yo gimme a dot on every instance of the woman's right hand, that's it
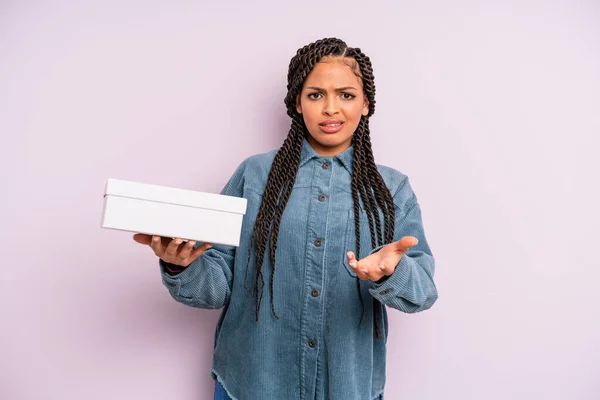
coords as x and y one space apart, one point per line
173 251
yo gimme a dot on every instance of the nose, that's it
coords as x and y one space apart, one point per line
330 107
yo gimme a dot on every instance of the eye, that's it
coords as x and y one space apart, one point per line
314 96
348 96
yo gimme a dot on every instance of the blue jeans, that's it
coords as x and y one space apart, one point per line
221 394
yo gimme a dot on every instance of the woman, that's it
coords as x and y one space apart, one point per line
316 206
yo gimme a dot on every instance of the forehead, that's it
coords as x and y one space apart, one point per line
334 72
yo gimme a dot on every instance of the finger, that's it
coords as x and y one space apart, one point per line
142 238
172 247
199 251
157 246
406 243
186 249
351 257
361 271
361 275
354 264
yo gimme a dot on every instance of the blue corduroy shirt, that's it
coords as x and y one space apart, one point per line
320 347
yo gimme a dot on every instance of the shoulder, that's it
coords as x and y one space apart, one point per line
399 185
257 166
252 173
260 162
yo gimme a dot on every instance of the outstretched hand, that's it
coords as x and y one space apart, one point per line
382 263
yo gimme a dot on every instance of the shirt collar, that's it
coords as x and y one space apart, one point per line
308 153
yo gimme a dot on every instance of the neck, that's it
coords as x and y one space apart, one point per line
328 151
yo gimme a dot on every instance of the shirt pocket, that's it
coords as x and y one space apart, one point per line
350 239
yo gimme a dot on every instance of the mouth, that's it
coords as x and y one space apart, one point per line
331 126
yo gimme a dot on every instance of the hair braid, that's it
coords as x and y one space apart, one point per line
367 189
292 160
357 187
382 193
266 212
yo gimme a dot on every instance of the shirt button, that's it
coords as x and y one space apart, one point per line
322 197
311 344
318 242
326 165
315 293
384 291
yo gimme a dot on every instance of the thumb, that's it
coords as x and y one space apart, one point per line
406 243
142 238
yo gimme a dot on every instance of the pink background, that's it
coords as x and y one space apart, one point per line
492 110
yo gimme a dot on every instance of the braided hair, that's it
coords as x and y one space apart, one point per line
366 179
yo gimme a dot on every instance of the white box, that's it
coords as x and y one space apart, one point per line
171 212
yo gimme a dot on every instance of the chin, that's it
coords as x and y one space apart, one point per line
332 139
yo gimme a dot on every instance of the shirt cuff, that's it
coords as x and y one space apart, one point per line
170 269
392 285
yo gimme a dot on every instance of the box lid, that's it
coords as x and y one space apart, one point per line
170 195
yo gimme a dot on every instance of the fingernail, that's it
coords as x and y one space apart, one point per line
177 241
349 254
192 242
155 238
365 271
353 264
381 266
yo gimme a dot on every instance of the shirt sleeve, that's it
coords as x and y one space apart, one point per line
206 282
411 287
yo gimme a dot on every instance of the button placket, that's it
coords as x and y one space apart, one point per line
312 326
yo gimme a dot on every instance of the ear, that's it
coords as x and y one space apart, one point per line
365 110
298 105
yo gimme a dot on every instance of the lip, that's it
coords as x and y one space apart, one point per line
331 129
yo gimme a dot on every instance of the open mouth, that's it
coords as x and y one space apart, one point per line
331 126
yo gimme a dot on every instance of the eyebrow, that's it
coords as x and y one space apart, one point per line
338 89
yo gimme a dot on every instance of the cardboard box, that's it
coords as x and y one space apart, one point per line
171 212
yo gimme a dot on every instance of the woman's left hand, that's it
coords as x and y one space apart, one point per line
382 263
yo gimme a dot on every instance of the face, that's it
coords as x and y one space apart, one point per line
332 102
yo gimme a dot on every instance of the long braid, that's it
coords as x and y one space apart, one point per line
362 171
292 160
366 184
356 186
373 180
367 192
382 193
271 199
